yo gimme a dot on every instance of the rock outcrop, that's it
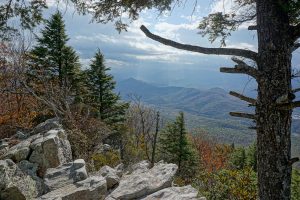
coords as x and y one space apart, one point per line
111 176
92 188
175 193
65 174
40 167
143 182
50 149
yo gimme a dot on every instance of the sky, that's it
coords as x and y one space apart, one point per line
132 54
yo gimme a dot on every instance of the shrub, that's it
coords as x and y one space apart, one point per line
110 158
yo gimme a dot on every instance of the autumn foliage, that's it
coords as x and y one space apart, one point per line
212 156
17 106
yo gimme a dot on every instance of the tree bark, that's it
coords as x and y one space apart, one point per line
155 139
273 125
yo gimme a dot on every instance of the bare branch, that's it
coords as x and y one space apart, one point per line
243 115
44 101
289 106
242 97
296 90
241 68
252 127
216 51
293 160
252 28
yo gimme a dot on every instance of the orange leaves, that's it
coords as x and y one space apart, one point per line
16 111
212 156
17 106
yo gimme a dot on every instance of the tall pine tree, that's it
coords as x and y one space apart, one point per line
52 59
175 147
101 97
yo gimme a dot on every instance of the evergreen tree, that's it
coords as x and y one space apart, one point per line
175 147
251 158
101 97
52 59
238 158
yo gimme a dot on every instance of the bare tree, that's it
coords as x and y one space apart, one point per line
144 123
16 101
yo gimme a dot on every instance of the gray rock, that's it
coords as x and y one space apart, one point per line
31 170
3 145
79 163
50 150
3 151
15 184
175 193
18 152
144 182
110 175
65 174
120 169
92 188
21 136
106 147
141 166
46 126
102 148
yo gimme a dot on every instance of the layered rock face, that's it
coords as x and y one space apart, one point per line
40 167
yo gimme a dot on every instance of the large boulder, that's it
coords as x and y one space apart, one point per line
175 193
143 182
17 184
65 174
92 188
110 175
46 126
50 149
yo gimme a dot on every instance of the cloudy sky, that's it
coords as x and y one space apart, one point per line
131 54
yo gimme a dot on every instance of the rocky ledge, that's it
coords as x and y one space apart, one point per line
40 166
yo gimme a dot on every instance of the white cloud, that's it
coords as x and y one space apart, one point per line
162 58
59 4
97 37
224 6
170 31
114 63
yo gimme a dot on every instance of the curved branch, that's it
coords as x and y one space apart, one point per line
216 51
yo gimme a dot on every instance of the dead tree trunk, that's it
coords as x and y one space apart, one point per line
274 88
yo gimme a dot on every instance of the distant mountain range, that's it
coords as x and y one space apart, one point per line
205 109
